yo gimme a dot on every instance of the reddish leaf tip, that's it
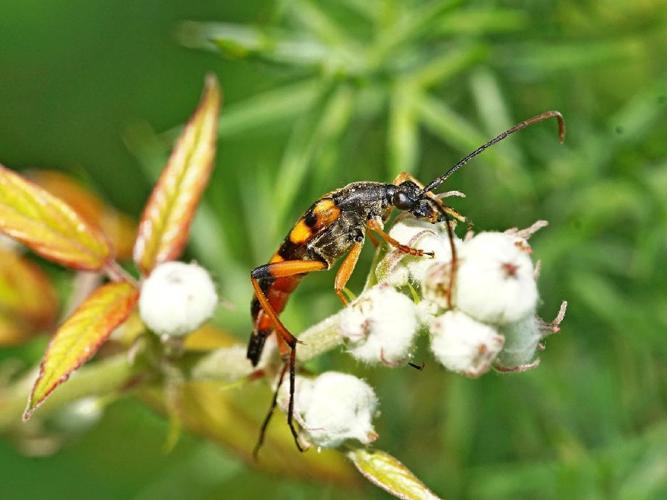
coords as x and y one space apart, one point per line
80 336
165 223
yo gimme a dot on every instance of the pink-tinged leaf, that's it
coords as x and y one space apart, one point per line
79 338
27 297
48 226
165 223
388 473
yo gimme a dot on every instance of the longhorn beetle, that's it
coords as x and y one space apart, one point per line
336 225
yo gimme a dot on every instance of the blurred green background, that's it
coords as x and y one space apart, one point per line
318 94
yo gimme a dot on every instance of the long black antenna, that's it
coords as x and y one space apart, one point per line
526 123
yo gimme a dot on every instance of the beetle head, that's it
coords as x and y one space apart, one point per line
409 197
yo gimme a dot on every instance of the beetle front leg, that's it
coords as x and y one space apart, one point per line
375 226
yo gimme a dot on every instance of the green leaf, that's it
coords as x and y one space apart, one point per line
335 120
388 473
412 23
312 133
79 338
369 9
241 41
476 21
457 131
166 220
275 106
442 121
541 59
48 226
493 110
451 63
314 19
403 130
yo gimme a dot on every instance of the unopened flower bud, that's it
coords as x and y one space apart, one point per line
177 298
380 326
333 408
463 344
79 416
521 341
495 281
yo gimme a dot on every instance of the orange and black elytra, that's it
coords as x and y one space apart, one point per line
334 226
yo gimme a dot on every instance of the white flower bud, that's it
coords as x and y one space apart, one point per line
421 235
177 298
427 311
464 345
380 326
521 341
80 415
333 408
494 280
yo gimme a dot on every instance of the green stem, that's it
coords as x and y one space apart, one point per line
229 364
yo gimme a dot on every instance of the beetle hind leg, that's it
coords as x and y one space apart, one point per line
286 341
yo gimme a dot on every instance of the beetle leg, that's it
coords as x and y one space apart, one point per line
374 225
267 418
346 269
405 176
454 214
283 269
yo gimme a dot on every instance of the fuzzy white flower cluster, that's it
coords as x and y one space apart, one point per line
177 298
380 326
332 408
482 315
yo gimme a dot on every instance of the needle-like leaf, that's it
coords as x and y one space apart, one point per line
79 338
166 220
48 226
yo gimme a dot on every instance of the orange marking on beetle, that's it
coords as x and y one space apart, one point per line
300 233
276 258
325 212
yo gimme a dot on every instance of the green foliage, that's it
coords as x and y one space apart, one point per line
322 93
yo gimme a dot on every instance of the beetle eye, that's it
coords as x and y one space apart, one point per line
402 201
